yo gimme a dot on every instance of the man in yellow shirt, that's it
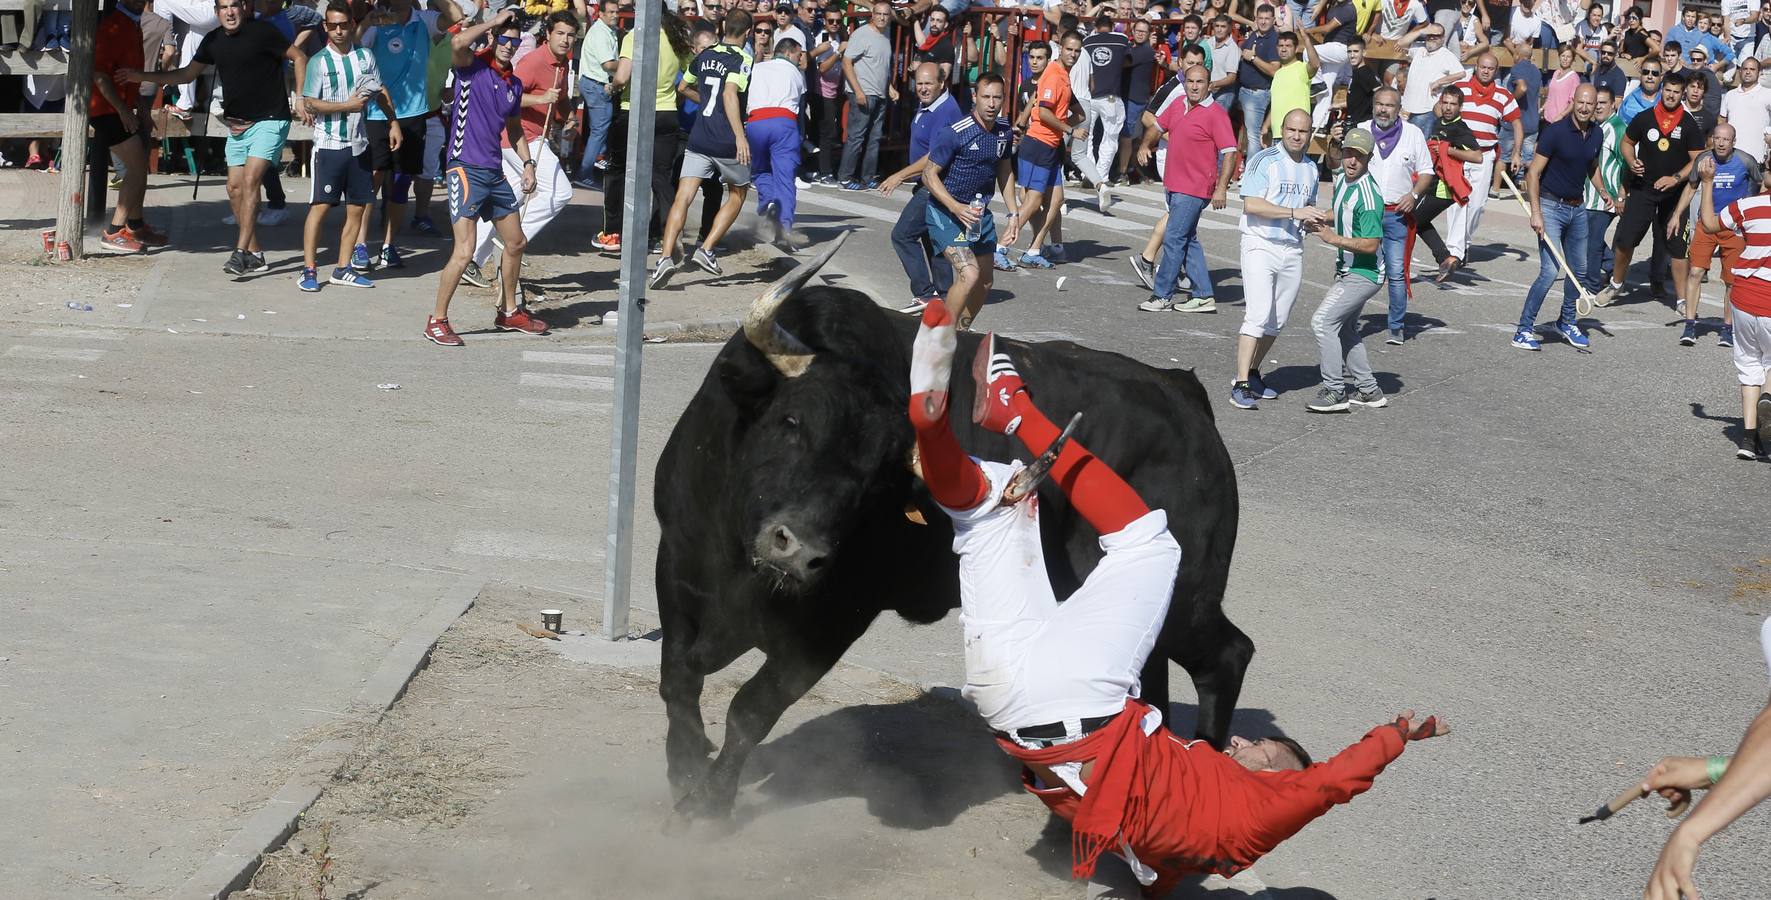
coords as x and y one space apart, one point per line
1291 75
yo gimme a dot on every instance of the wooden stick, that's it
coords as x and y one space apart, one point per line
1584 306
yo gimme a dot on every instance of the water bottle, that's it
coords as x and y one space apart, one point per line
976 229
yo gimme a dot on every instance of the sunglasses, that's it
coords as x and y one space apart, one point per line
765 32
508 40
1654 72
337 26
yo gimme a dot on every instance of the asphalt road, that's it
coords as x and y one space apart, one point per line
213 536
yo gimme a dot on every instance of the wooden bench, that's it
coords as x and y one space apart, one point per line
33 62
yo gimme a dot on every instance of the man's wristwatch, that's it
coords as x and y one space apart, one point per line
528 162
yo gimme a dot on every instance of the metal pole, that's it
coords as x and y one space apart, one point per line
70 215
636 218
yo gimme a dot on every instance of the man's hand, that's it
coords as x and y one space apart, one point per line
1671 877
743 151
127 117
1310 214
1706 169
550 95
1432 726
1220 199
964 214
1408 202
1079 133
892 92
1666 182
128 76
394 138
861 100
1013 233
1636 167
1675 777
508 14
528 172
1144 155
889 185
1537 221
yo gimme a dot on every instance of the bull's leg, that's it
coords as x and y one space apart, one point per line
1220 660
784 678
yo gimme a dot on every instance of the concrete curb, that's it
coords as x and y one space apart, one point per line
232 867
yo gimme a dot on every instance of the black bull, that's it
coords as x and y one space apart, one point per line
782 502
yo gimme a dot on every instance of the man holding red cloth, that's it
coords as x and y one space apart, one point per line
1058 683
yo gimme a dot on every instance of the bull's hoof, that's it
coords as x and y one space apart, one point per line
704 802
679 825
686 776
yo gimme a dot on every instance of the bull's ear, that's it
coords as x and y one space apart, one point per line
747 376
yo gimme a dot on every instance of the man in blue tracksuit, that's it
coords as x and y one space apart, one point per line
777 89
930 274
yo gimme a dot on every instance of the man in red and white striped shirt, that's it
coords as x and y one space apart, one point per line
1749 217
1488 107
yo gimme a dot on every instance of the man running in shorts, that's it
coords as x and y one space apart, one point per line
400 35
1278 197
1040 156
719 76
1736 176
967 163
1749 217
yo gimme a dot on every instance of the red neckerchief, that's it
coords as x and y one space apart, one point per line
492 60
930 43
1480 92
1667 123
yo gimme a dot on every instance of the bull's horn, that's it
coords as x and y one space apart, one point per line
790 356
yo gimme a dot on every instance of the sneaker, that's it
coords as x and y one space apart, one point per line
1103 198
437 331
873 185
423 225
119 241
1055 253
1259 387
148 235
705 259
1035 260
1726 338
1525 339
236 264
309 281
804 184
1328 400
1144 269
273 217
666 267
854 186
589 183
1764 422
115 182
997 384
914 307
1571 333
1243 398
608 243
256 261
1395 338
230 219
350 278
1157 304
1606 294
1002 262
1689 336
827 181
519 320
390 258
360 258
1750 448
1372 399
931 364
1197 305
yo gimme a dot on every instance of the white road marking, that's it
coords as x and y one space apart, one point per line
73 354
568 359
561 407
91 334
567 382
854 209
523 545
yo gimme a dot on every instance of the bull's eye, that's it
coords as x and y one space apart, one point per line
791 421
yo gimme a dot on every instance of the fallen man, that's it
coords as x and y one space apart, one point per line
1058 683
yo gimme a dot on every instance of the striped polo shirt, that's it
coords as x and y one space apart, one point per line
336 77
1272 176
1610 165
1358 213
1486 114
1750 217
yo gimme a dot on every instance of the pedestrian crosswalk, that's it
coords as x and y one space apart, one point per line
49 355
567 382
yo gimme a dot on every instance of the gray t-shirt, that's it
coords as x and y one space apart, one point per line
871 54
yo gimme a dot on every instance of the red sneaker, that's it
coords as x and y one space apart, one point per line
608 243
149 236
119 241
931 365
439 332
519 320
997 384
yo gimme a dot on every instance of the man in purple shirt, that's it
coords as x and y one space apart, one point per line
486 102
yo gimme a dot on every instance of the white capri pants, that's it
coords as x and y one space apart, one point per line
1465 218
1030 660
1271 274
1752 346
199 19
552 191
1095 160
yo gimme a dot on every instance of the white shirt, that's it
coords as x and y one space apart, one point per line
776 83
792 31
1423 69
1734 13
1526 26
1395 173
1273 176
1750 114
1225 60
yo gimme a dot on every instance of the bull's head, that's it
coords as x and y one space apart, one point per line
824 437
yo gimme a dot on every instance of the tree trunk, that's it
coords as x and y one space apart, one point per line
70 217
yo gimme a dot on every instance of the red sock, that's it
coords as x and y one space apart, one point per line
953 479
1103 498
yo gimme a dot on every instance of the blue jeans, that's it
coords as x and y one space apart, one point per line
860 151
1395 250
599 108
1254 117
1181 248
1526 150
1424 121
1567 226
1599 256
929 274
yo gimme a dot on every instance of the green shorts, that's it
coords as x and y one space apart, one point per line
946 231
264 140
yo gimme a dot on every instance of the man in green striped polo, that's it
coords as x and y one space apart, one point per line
1604 192
342 81
1355 231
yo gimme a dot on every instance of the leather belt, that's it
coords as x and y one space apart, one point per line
1564 200
1053 731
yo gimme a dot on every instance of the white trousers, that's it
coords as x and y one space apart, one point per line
1752 346
199 19
1465 218
1030 660
1095 160
1335 67
1271 274
552 192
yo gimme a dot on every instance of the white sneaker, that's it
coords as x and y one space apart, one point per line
1103 197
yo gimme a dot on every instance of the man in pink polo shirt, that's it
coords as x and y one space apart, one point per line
1199 137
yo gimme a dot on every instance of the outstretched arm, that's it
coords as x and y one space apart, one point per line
1746 784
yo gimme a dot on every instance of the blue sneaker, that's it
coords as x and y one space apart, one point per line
1259 388
351 277
423 225
390 258
360 257
1524 339
1571 333
1002 262
1055 253
309 281
1035 261
854 186
1242 397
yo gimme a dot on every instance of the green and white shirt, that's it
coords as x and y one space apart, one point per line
335 78
1610 165
1358 213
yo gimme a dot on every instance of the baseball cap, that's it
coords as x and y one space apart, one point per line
1358 141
